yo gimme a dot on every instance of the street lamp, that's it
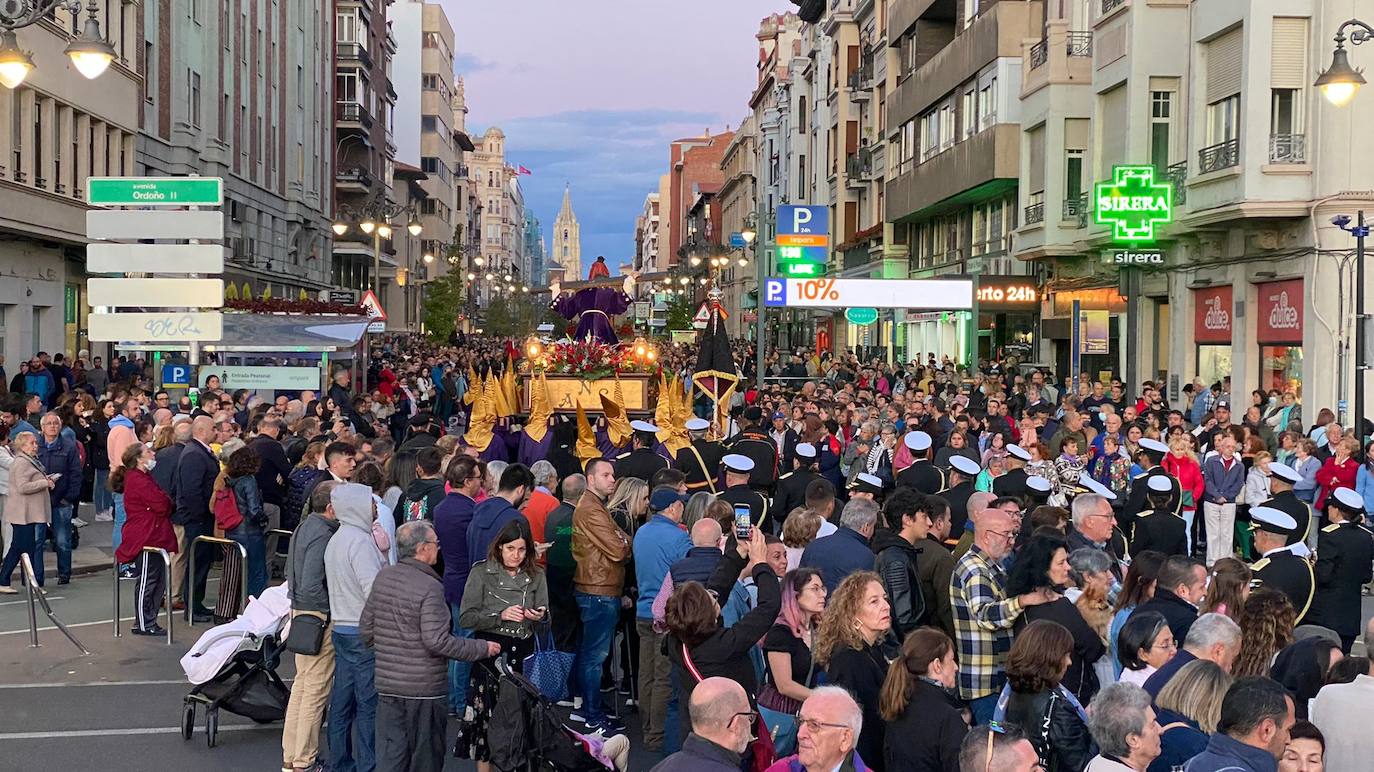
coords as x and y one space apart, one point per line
1340 81
384 230
368 225
748 234
89 51
340 227
415 227
428 258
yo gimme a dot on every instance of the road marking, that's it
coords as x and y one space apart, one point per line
275 727
26 600
78 624
179 682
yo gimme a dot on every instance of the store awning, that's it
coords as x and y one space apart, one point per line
275 334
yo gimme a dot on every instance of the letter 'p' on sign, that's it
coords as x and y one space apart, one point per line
774 293
803 221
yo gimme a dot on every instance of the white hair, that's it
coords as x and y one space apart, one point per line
853 715
859 514
544 473
1117 712
1209 630
1085 504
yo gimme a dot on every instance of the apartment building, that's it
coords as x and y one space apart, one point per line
1250 279
364 146
647 226
953 163
57 129
239 90
500 220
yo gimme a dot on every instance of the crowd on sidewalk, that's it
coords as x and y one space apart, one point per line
873 567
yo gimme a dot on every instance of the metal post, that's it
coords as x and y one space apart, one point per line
32 596
1132 282
117 633
760 274
377 262
1360 359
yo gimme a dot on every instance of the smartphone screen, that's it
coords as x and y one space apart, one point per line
744 521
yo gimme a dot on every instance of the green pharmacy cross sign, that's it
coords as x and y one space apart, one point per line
1133 203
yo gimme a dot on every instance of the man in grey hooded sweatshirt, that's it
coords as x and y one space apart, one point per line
351 562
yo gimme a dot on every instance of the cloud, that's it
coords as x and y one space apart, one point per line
612 158
464 64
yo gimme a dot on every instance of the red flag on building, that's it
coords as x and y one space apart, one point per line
523 170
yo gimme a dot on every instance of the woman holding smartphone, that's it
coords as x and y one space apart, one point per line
505 597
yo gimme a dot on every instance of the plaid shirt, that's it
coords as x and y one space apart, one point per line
983 618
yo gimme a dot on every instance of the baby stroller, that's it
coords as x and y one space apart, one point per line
234 666
527 734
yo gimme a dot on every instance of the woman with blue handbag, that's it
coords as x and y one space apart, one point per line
791 671
505 597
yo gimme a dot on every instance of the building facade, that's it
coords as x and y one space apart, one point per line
364 146
56 129
240 91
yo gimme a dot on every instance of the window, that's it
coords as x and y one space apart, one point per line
1073 174
1223 120
427 123
346 28
224 120
149 86
194 85
1161 128
195 11
970 108
947 125
970 12
346 86
1286 111
801 177
987 101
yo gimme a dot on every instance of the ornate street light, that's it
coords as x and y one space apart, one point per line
748 234
384 230
1340 81
368 225
340 227
415 227
428 258
89 51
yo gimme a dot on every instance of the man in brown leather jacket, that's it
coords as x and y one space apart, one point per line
600 549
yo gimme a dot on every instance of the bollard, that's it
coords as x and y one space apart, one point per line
117 633
36 594
191 574
167 566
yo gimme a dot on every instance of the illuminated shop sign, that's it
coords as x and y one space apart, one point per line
1133 203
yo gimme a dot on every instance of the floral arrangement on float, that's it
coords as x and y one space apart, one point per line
589 360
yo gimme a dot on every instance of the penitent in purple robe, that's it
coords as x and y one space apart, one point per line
499 447
593 308
531 451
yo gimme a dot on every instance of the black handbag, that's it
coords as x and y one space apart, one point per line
307 634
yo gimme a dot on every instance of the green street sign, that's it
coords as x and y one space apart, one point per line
155 191
861 316
801 270
1133 203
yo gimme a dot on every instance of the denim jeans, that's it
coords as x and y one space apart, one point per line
119 517
458 672
352 706
25 539
100 491
62 534
672 734
599 614
253 540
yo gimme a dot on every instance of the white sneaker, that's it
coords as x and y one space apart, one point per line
104 516
574 703
5 589
79 523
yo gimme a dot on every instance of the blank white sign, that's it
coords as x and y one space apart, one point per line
155 258
132 225
170 327
156 293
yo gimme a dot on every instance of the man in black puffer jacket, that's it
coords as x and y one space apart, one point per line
407 623
907 524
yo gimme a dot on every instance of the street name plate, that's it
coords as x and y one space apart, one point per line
164 327
155 191
156 293
249 377
132 225
155 258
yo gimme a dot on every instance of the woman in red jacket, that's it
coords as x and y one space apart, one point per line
1183 464
1339 471
148 524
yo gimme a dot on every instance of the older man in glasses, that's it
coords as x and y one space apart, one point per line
722 728
828 727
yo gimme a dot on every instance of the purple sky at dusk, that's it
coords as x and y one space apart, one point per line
599 110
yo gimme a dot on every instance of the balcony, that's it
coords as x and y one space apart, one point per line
1075 209
353 52
859 168
352 115
1060 57
1287 148
1110 5
1177 175
1039 54
1035 208
1222 155
859 87
996 33
353 179
989 161
1080 44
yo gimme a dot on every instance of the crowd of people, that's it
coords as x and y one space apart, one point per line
865 566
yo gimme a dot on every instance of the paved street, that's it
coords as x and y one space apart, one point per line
122 704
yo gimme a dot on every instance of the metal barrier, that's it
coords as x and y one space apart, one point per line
36 595
167 564
274 536
189 588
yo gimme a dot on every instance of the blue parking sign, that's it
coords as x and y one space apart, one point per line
774 293
803 221
176 375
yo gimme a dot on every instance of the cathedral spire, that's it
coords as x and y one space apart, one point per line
566 212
